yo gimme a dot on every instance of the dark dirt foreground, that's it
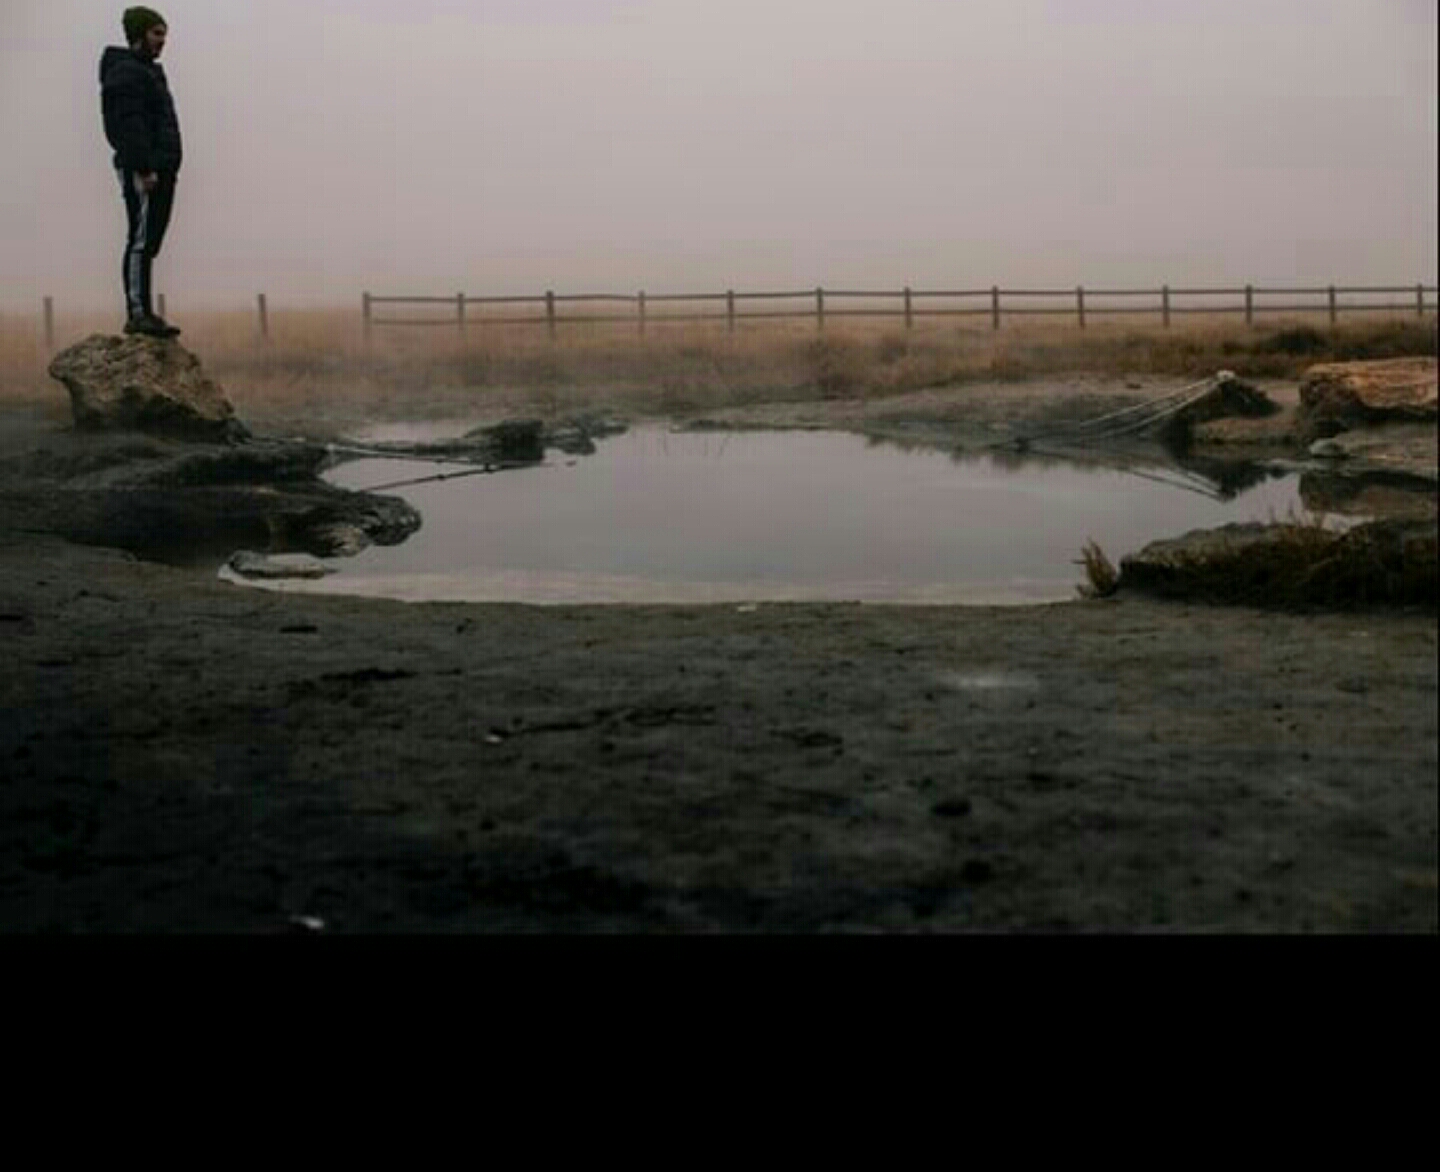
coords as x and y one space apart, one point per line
178 754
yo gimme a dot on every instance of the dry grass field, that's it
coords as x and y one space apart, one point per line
315 360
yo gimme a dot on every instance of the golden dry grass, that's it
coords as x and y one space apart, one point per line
317 358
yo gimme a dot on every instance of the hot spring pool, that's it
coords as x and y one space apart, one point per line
752 516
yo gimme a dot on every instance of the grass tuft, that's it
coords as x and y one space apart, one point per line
1102 579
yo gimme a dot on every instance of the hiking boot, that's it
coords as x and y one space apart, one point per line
145 324
151 326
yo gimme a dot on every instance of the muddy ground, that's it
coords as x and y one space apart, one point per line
183 755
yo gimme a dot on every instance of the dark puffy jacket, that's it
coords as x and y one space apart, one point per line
140 120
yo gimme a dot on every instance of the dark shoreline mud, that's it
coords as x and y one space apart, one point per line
181 755
186 756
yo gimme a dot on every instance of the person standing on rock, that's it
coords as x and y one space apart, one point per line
141 126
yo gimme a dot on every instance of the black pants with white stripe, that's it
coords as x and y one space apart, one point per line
148 215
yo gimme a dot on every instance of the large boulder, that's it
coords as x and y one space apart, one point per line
1337 396
138 383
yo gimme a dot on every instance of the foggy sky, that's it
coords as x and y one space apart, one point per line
505 146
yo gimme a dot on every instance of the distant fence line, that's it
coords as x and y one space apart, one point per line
47 315
907 304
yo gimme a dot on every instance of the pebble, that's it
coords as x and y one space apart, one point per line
249 564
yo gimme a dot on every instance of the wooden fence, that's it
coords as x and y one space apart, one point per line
47 316
641 309
551 309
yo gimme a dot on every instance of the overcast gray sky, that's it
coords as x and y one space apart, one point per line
496 146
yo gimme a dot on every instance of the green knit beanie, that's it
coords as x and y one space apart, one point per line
138 21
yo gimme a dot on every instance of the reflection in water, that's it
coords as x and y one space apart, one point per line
656 515
1222 479
1377 493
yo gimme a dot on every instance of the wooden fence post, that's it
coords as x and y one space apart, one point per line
1331 292
1080 304
994 307
1165 306
1249 305
264 312
460 313
160 303
50 324
550 312
730 310
819 308
640 303
365 314
909 312
1420 300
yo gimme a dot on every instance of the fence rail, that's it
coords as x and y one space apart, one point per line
907 304
820 304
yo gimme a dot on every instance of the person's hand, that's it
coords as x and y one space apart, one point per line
147 181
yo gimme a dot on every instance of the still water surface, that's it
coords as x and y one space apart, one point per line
659 516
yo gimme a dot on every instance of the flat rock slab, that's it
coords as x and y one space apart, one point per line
507 443
194 502
1390 561
1336 396
138 383
1399 447
121 460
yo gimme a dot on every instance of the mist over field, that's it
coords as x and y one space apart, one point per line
504 146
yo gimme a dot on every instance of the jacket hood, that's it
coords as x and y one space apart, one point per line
112 54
